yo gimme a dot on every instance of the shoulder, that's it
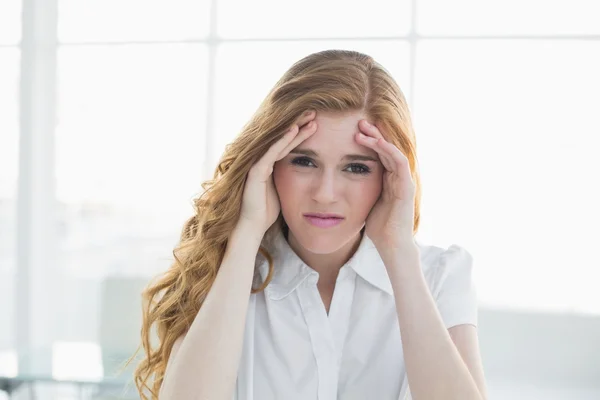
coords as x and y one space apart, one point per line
444 266
449 274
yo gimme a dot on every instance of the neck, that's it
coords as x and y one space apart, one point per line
327 265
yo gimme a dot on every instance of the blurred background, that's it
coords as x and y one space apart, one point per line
112 113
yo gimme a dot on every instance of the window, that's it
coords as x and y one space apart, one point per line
129 150
243 65
148 95
9 59
10 22
507 17
10 32
115 21
274 19
508 164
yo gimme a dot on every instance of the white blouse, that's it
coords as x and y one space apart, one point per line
294 350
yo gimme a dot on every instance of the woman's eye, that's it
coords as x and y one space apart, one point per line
359 169
302 161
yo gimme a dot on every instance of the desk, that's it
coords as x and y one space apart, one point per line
83 364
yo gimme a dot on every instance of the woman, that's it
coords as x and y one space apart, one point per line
299 277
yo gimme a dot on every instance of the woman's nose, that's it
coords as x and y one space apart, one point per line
324 190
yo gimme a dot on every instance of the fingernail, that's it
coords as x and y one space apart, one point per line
367 123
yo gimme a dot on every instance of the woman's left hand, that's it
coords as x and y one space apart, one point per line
391 220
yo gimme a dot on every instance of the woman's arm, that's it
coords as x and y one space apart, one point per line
204 362
435 367
434 362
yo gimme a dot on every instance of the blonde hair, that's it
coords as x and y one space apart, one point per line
332 81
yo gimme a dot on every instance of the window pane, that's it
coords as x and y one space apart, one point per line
508 139
131 20
9 151
312 18
9 99
10 21
234 107
129 153
508 17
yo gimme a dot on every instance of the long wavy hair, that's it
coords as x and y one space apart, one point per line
331 81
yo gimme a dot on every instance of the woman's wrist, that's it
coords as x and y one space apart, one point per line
244 231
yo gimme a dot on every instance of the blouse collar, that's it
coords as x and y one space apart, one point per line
289 271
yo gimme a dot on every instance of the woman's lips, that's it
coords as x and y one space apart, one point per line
325 221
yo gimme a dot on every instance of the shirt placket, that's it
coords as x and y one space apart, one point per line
321 337
328 333
341 308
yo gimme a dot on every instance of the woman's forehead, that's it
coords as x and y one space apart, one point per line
339 121
335 136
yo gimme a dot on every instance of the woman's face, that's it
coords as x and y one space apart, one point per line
328 173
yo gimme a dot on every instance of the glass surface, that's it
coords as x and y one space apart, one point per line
75 362
508 17
239 65
9 159
129 153
131 20
312 18
508 139
10 22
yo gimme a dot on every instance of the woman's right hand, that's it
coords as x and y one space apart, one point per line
260 204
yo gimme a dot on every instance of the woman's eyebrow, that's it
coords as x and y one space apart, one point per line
347 157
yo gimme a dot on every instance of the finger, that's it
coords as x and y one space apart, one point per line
372 131
369 129
295 130
396 161
264 166
375 144
306 117
400 161
306 131
265 163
